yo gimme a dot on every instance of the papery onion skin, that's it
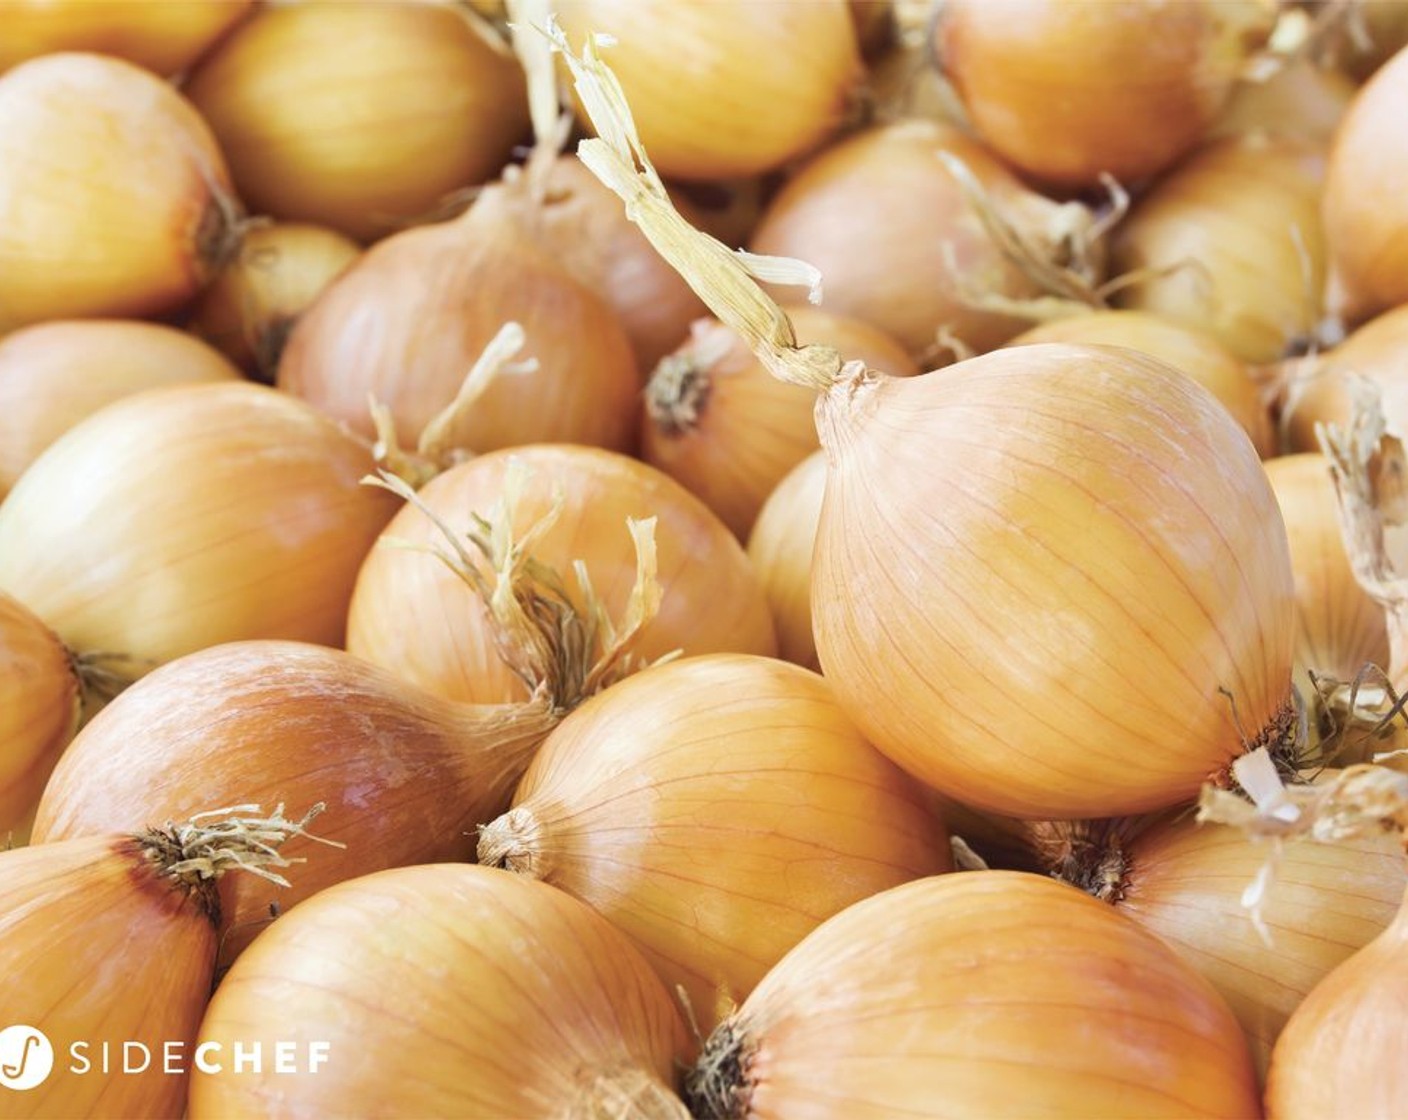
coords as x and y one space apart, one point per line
406 777
1236 230
407 322
1100 556
1340 627
52 375
416 102
114 198
96 946
1366 226
716 809
481 994
162 36
721 425
1069 91
985 994
780 548
39 709
184 517
726 89
252 304
1299 100
413 616
1197 354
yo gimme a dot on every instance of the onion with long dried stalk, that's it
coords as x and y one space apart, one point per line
485 996
780 548
745 758
1107 614
406 776
110 941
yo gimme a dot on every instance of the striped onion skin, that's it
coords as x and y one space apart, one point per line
1107 618
1339 627
716 809
780 548
987 993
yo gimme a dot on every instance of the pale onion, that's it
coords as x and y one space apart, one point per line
40 699
1340 628
1299 100
718 423
1187 883
446 991
715 809
1068 92
1366 222
252 304
899 243
163 36
780 548
1231 243
52 375
417 100
112 939
727 88
409 319
1184 347
183 517
982 994
114 199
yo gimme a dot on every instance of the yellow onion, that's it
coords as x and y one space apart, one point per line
729 211
982 994
1231 243
780 548
1185 347
445 991
39 707
1340 627
727 88
163 36
107 944
717 422
250 307
417 100
716 809
414 616
1298 100
1366 227
114 199
899 243
1067 92
407 322
52 375
183 517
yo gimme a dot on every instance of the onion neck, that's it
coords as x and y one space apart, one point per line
720 1086
626 1093
514 842
499 743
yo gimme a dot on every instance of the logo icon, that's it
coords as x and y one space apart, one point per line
26 1057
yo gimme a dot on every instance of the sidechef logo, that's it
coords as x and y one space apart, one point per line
27 1058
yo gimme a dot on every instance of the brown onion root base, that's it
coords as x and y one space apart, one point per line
718 1087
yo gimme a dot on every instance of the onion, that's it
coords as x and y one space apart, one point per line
114 199
408 320
483 995
1069 92
162 36
1298 100
416 101
111 940
720 424
1231 244
1196 353
55 374
984 994
744 758
1107 598
415 618
727 88
1366 225
780 548
903 247
39 708
250 307
184 517
1374 31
